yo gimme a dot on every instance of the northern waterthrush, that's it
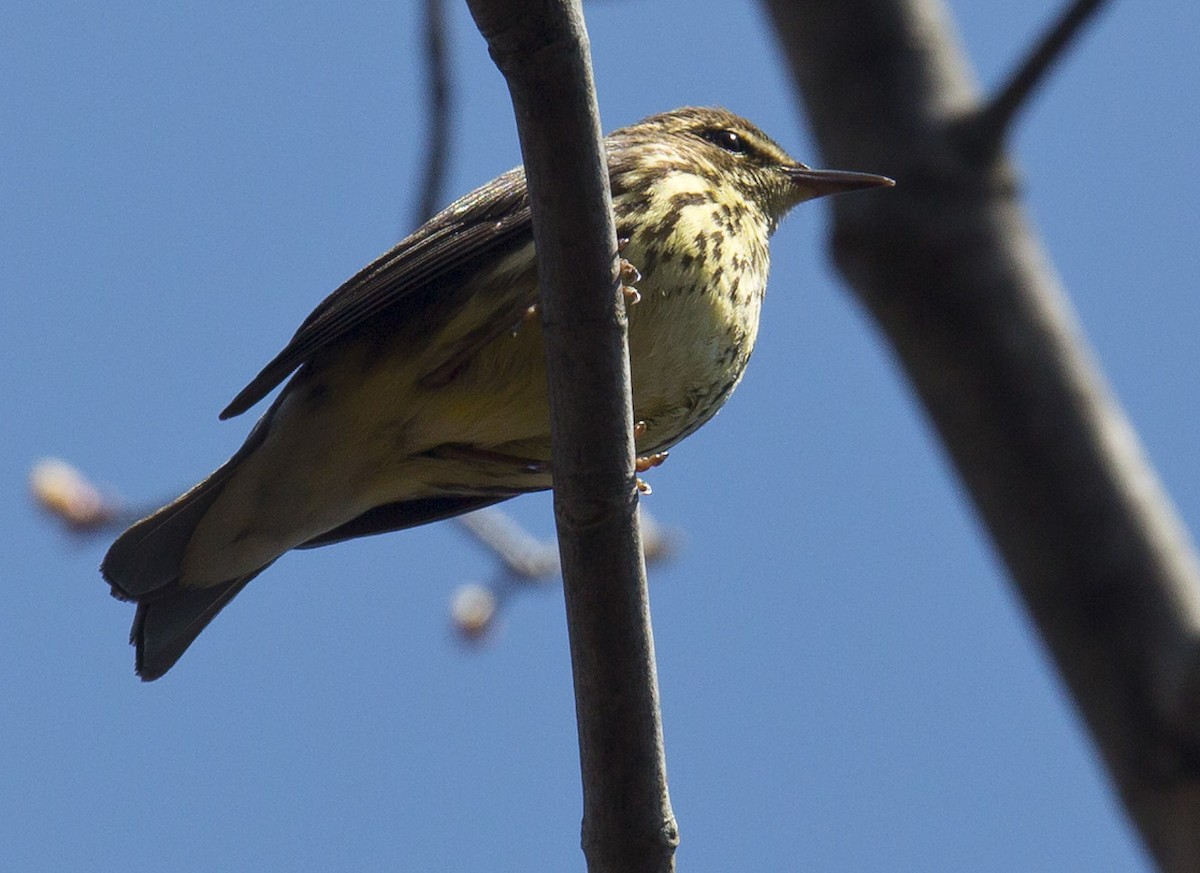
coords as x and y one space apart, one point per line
419 386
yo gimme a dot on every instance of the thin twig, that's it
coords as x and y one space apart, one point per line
440 96
991 125
529 558
524 555
525 563
67 495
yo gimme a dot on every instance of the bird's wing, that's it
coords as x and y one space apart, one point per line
416 276
403 515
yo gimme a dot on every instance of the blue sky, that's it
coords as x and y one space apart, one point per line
848 681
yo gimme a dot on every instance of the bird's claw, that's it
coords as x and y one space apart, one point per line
628 274
649 462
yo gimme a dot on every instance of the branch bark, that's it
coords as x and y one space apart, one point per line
949 267
541 48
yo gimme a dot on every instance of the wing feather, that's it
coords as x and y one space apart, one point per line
488 219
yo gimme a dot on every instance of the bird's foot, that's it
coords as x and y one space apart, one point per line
641 465
628 274
649 462
646 462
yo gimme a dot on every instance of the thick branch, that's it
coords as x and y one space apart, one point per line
949 267
541 48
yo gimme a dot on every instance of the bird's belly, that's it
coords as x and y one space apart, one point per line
689 349
373 434
690 338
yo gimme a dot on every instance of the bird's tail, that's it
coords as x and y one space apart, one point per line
143 565
165 626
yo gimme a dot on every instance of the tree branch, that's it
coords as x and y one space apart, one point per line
991 125
437 141
949 267
525 563
541 48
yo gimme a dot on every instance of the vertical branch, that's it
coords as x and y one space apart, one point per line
541 48
950 268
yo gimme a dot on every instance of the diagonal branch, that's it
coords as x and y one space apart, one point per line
950 268
991 125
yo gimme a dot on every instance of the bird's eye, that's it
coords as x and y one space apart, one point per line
727 140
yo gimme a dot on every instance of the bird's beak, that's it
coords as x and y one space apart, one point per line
821 183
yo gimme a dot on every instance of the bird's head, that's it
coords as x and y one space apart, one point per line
733 155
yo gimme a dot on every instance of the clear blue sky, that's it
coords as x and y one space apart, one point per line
848 681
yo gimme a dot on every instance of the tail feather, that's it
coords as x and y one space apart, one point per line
143 565
146 558
166 625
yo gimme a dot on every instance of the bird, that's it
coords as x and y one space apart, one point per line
417 390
